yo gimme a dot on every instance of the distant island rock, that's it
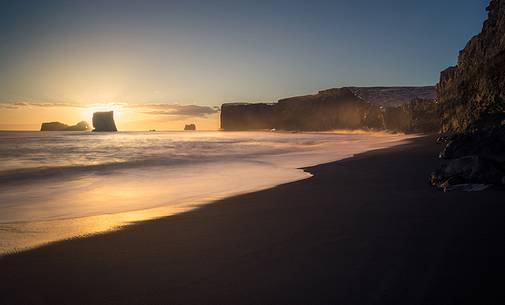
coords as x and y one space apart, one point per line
104 121
402 109
472 106
190 127
58 126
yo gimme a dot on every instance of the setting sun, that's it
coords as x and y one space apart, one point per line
118 111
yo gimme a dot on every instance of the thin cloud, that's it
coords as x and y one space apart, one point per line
176 110
8 106
50 105
16 105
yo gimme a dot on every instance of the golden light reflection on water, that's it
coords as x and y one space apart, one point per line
54 211
15 237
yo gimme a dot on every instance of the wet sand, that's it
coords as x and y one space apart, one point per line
365 230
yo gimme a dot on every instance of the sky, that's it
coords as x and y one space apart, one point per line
162 64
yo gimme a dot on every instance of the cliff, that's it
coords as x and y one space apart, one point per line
338 108
329 109
416 116
473 92
104 121
472 105
394 96
243 116
58 126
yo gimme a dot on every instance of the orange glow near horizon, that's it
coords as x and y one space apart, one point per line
88 112
127 119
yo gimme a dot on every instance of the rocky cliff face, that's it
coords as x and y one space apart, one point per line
473 92
472 104
329 109
58 126
339 108
243 116
394 96
416 116
104 121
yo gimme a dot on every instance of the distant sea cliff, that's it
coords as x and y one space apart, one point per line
404 109
58 126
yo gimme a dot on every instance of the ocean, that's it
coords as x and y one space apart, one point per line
61 185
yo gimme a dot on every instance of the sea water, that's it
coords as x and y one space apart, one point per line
60 185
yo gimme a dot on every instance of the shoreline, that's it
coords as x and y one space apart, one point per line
366 229
165 194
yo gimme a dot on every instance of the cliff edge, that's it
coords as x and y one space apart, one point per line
472 105
404 109
473 92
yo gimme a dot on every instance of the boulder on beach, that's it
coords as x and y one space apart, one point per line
470 158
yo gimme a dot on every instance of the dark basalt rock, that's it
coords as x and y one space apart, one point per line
473 157
104 121
489 142
469 173
190 127
58 126
472 106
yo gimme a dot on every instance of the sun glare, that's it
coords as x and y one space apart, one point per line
88 112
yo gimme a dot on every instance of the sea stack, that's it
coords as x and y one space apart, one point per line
104 121
190 127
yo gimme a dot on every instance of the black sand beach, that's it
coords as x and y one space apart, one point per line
365 230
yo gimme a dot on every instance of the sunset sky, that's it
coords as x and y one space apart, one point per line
162 64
